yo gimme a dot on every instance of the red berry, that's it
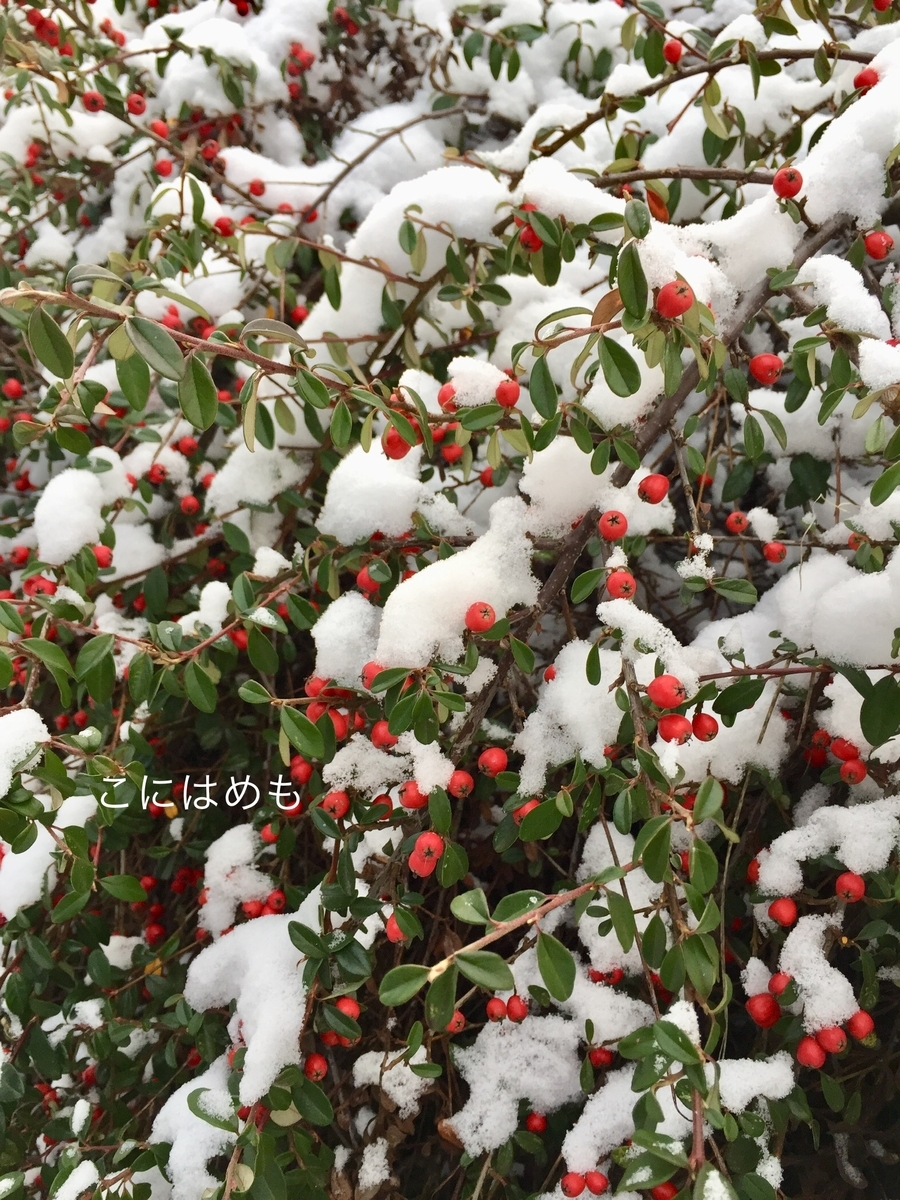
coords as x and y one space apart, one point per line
854 771
783 911
674 728
530 240
480 617
411 797
225 226
160 128
12 389
136 104
382 738
268 835
368 673
779 982
188 446
666 691
516 1009
672 52
93 102
507 393
315 1067
393 930
446 398
256 187
865 79
154 934
301 770
572 1184
764 1010
430 846
774 552
457 1023
737 522
103 555
336 804
549 674
787 183
766 368
844 750
536 1123
860 1025
495 1009
348 1006
833 1039
653 488
613 525
810 1053
674 299
850 887
664 1191
520 813
460 785
163 168
596 1181
366 583
601 1056
621 585
189 505
193 1059
705 727
492 761
878 244
393 444
157 474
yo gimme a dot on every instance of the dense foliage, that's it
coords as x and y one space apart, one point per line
449 600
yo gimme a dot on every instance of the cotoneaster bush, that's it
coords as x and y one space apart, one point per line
449 600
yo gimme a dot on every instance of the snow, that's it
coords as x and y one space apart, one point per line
20 734
195 1141
83 1178
826 993
396 1079
230 877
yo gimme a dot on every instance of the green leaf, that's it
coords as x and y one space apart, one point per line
523 655
652 847
48 653
675 1043
440 999
704 866
738 696
631 283
10 617
585 583
253 692
197 395
622 918
302 734
637 218
516 904
542 822
70 905
701 968
711 1184
471 907
341 424
879 714
710 796
92 654
740 591
486 969
401 984
885 484
307 940
123 887
158 349
312 1103
542 389
556 965
620 370
50 345
200 688
754 439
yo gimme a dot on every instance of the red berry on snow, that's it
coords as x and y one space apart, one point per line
446 397
256 187
411 797
764 1010
613 525
103 555
653 488
774 552
495 1009
136 104
672 51
844 750
783 911
674 299
366 583
766 368
549 674
621 585
705 727
480 617
737 522
878 244
492 761
368 673
860 1025
536 1123
572 1184
382 738
666 691
753 871
276 900
596 1181
336 804
865 79
674 728
163 168
530 240
190 506
225 226
93 102
787 183
516 1009
810 1054
601 1056
854 771
850 887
